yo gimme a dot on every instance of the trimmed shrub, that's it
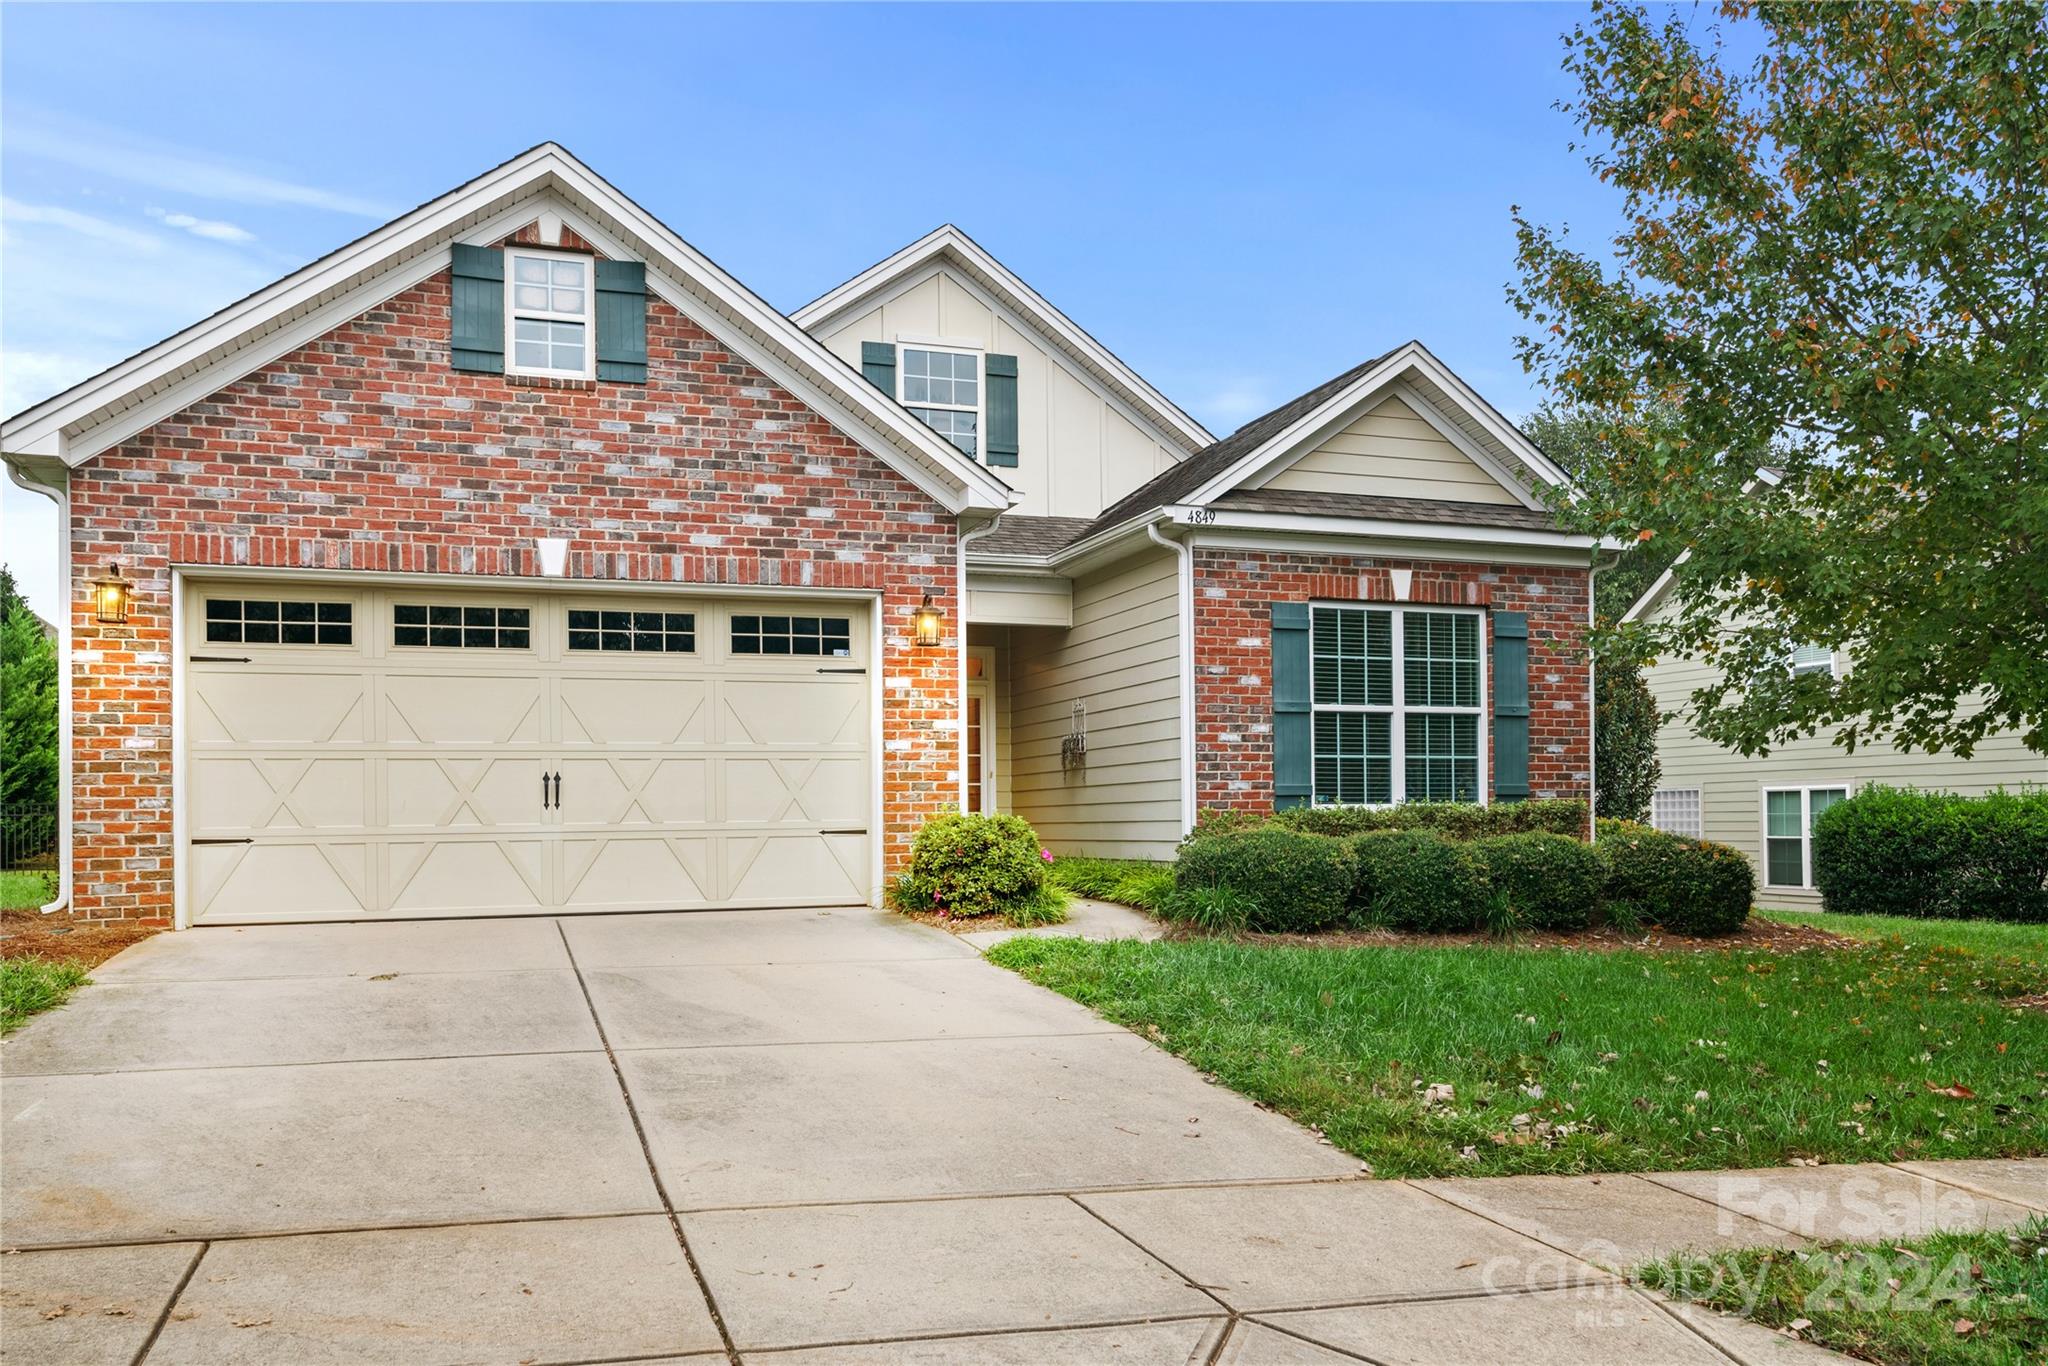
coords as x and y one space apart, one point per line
1293 882
1417 880
1459 820
970 865
1227 820
1130 882
1685 886
1553 882
1936 855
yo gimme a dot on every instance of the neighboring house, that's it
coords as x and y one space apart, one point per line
516 559
1765 805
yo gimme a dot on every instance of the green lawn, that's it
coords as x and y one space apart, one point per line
30 985
1983 936
1562 1061
22 891
1957 1297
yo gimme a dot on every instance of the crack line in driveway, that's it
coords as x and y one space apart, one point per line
647 1153
156 1329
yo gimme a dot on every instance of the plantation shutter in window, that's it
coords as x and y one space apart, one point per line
622 321
1510 706
477 336
878 363
1291 762
1001 373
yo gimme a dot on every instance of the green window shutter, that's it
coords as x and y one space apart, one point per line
878 363
622 321
1001 443
1291 760
1510 706
477 334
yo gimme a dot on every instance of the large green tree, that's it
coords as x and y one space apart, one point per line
1831 263
28 704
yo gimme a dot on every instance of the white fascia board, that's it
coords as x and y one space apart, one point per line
1411 543
1484 413
338 270
1381 529
1020 298
114 405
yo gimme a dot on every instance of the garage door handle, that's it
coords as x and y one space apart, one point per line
543 791
219 659
243 840
558 792
842 832
842 671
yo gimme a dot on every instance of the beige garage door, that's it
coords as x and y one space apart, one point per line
396 753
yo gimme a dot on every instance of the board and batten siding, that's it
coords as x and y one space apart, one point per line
1731 786
1392 452
1122 659
1078 451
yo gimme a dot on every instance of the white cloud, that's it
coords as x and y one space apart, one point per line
162 167
14 212
211 228
1230 404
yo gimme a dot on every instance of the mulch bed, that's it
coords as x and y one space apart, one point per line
31 934
957 924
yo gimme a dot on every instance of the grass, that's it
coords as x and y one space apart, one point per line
1976 1298
19 891
1981 936
1130 882
29 986
1564 1061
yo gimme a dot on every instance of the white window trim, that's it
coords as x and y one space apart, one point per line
1699 805
1764 835
588 319
906 343
1397 737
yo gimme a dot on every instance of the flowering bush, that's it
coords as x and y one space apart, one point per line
974 865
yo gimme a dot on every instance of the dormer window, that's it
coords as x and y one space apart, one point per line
944 389
547 313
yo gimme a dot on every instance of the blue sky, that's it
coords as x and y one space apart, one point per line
1239 201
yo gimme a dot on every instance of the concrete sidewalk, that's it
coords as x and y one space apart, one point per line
779 1136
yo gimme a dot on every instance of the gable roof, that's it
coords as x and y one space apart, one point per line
1475 426
947 244
90 417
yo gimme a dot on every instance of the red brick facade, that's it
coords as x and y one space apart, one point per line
1234 594
365 451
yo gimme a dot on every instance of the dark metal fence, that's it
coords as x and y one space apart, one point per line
28 838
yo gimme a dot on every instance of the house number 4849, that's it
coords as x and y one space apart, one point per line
1201 516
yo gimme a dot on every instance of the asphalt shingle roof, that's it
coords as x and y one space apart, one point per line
1443 512
1018 534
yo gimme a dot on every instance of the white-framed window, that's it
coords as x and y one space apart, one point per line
1812 659
548 314
943 387
1789 814
1397 697
1676 811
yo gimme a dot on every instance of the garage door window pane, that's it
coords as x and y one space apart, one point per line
811 636
452 627
622 632
270 621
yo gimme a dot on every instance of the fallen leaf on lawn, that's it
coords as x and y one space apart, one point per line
1965 1327
1954 1090
1798 1326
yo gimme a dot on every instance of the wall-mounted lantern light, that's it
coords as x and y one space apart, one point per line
929 623
110 597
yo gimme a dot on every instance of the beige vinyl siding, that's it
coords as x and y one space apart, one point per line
1392 452
1078 450
1122 658
1731 786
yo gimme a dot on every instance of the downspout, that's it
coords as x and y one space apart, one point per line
960 701
58 495
1186 615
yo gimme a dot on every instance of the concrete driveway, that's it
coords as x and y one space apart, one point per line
792 1136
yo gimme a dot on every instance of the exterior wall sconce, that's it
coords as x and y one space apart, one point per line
927 626
110 597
